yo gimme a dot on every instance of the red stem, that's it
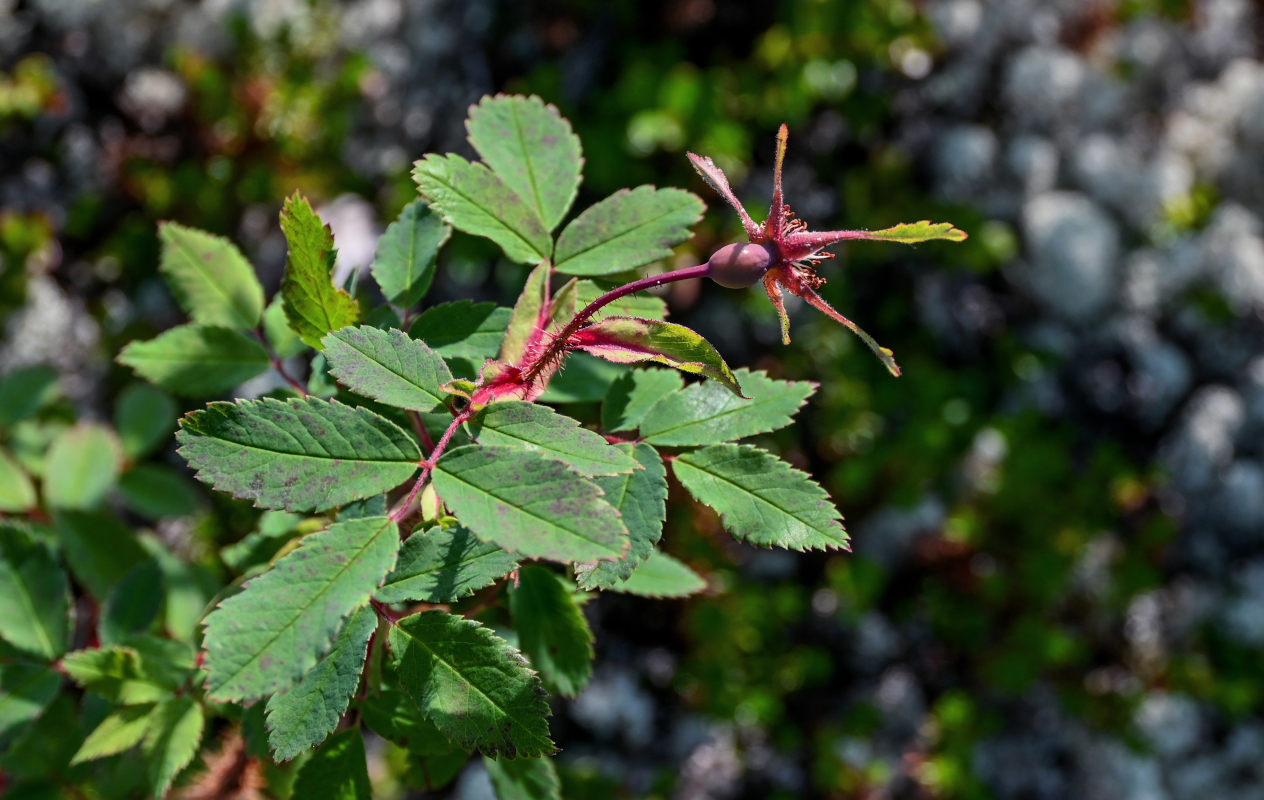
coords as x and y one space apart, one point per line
276 364
403 508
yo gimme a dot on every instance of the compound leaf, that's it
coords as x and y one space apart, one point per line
387 366
307 454
303 715
82 465
405 262
661 576
263 639
633 394
704 414
530 147
196 360
629 228
337 771
313 305
474 199
463 329
541 429
172 739
523 778
629 340
34 596
529 504
210 277
551 629
474 687
641 499
760 498
444 564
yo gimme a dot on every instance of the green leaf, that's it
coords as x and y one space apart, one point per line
641 499
661 576
582 379
24 391
307 454
156 491
914 232
133 604
405 262
704 414
140 669
172 739
532 149
442 565
475 687
629 228
638 304
762 499
17 493
260 545
262 640
337 771
542 430
523 778
99 549
313 305
121 730
633 394
210 277
551 629
301 717
144 417
474 199
387 366
463 329
529 504
197 360
34 596
82 466
25 691
526 315
276 327
629 340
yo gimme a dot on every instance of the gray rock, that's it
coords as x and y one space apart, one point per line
1203 443
887 536
1233 253
1042 87
1161 375
1074 248
964 160
1109 770
1239 503
1172 724
614 704
1033 160
1242 616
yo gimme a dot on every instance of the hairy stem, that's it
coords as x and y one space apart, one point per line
532 370
403 509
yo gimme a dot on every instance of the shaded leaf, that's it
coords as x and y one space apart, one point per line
523 778
211 279
634 393
641 499
337 771
156 491
99 549
313 305
82 466
474 199
139 669
582 379
661 576
760 498
263 639
34 596
529 504
25 390
306 454
133 604
475 687
172 739
405 262
121 730
17 493
300 717
25 691
551 629
197 360
387 366
463 329
275 529
532 149
276 328
705 414
628 229
542 430
144 418
629 340
444 564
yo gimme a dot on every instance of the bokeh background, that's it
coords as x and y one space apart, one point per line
1057 584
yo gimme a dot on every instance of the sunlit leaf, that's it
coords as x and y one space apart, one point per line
628 229
197 360
405 262
542 430
210 277
704 413
444 564
641 499
387 366
629 340
313 305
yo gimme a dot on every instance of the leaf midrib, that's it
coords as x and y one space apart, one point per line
617 236
751 406
452 187
28 602
437 398
563 430
215 286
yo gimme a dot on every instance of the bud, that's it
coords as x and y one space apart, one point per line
740 264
